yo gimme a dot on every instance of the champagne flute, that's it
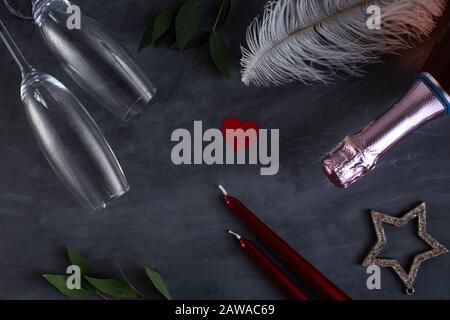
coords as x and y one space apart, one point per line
67 135
90 55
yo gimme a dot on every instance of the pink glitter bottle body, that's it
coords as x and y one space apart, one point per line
426 100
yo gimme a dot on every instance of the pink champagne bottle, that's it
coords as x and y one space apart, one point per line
426 100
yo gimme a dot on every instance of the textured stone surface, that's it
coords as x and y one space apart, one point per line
173 219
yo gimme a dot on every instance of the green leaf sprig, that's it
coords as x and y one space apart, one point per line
181 30
90 285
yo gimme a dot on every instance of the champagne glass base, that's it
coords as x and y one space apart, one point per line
105 204
140 105
120 193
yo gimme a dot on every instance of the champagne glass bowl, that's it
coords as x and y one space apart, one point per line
90 55
68 137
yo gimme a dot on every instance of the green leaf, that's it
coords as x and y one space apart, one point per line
227 9
187 22
158 30
169 37
60 283
161 25
233 4
219 54
119 267
199 39
113 287
158 282
77 260
146 39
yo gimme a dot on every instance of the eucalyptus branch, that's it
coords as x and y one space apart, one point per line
116 288
181 30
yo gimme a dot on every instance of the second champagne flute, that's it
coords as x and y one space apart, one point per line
93 58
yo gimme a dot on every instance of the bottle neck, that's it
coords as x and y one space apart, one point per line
435 87
417 107
358 154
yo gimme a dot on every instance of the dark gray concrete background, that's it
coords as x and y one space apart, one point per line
174 220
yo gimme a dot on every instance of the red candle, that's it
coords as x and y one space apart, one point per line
275 273
309 275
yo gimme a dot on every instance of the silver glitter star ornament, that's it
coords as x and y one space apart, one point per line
372 258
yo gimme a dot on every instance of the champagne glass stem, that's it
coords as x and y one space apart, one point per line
14 50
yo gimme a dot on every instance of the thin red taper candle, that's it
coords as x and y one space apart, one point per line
272 270
309 275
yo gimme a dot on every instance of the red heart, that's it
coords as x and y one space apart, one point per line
234 124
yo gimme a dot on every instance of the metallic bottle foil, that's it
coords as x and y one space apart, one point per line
358 154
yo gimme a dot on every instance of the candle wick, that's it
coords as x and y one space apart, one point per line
221 188
235 234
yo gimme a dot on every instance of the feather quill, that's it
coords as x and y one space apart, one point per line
313 40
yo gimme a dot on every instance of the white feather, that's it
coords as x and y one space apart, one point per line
312 40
